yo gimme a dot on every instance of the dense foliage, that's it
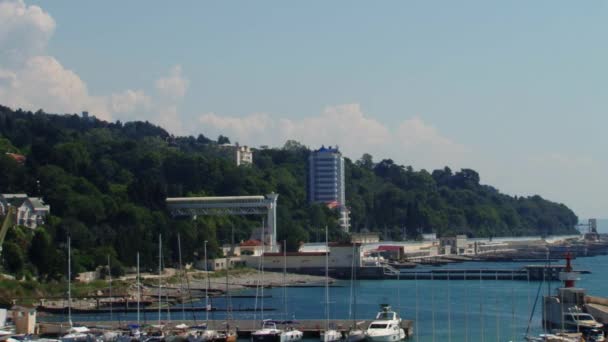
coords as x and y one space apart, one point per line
107 183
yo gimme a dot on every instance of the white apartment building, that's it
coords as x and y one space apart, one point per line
326 181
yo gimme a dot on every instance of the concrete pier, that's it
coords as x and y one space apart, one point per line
310 327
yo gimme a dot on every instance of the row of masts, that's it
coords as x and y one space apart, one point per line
139 284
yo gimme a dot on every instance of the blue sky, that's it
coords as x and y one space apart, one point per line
516 90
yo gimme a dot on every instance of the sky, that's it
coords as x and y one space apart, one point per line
517 90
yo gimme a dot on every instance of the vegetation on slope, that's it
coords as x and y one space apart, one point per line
107 183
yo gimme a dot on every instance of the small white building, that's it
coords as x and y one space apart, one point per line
31 211
241 155
313 257
365 237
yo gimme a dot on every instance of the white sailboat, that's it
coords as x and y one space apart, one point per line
156 332
290 333
75 334
229 333
206 334
355 334
269 331
386 327
330 334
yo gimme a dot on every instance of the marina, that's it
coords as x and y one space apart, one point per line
473 308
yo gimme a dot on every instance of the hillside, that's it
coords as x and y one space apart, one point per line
106 184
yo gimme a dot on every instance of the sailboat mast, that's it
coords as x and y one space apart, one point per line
284 280
352 284
160 243
262 268
228 299
69 281
138 289
181 269
111 298
326 280
206 287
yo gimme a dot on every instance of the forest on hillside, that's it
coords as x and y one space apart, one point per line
107 183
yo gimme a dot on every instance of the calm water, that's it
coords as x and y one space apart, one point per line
443 310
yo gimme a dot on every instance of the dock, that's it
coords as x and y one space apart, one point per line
310 327
527 273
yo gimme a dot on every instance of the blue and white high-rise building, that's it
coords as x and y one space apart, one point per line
326 181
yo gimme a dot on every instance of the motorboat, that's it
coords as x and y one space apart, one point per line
268 333
386 327
559 337
78 334
355 334
134 334
289 333
580 321
203 334
330 335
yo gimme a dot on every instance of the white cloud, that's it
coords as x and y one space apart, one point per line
413 141
130 101
32 80
169 119
24 31
43 83
174 86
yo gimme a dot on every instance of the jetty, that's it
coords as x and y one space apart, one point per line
527 273
310 327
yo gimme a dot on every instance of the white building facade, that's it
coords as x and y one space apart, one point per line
241 155
326 181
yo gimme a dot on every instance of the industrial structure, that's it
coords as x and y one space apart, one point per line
231 205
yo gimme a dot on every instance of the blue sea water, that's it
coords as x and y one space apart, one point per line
455 310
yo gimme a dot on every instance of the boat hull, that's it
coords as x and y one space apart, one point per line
355 336
291 336
386 337
265 337
330 336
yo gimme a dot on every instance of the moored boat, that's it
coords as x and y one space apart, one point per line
386 327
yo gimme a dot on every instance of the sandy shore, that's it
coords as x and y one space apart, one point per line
242 280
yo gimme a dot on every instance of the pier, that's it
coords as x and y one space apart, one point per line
310 327
527 273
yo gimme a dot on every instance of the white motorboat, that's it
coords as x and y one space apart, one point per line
268 333
330 335
291 335
386 327
78 334
355 335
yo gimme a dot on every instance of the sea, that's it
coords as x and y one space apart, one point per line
442 310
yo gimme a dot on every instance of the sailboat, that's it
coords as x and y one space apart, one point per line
355 333
269 331
198 334
230 334
75 334
157 333
134 334
290 333
329 335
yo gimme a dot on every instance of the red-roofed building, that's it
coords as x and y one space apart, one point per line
19 158
250 247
